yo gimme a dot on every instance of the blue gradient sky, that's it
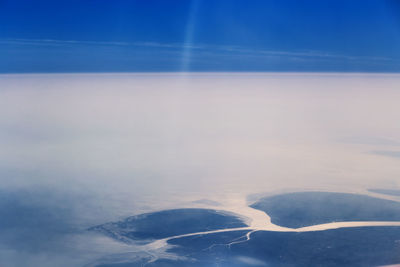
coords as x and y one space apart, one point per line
199 35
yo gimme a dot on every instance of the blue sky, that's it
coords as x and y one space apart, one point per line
199 35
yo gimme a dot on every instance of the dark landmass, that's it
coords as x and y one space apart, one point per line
360 246
389 192
157 225
364 246
301 209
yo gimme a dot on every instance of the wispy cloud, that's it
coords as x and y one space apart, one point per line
370 140
309 53
388 153
45 42
238 50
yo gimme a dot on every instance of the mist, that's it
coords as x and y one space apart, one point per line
77 150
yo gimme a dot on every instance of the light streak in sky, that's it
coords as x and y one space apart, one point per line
189 33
